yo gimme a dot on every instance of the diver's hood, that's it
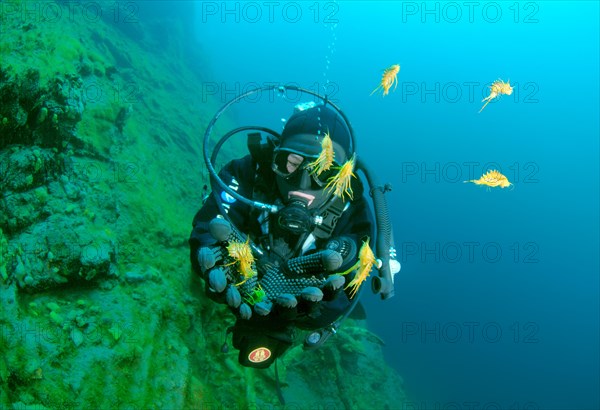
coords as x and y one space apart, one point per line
305 129
303 133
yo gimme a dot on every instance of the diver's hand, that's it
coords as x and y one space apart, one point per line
293 289
221 271
298 288
300 284
209 257
338 258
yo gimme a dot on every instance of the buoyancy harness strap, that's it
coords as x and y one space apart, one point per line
330 217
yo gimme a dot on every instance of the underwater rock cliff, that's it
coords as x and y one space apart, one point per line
100 176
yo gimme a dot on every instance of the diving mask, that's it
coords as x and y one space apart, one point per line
297 170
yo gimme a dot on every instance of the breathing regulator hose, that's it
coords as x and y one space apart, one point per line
205 149
384 244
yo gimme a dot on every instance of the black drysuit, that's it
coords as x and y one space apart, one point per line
258 182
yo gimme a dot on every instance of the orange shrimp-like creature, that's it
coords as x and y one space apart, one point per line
326 157
366 261
340 183
497 88
492 179
242 254
389 78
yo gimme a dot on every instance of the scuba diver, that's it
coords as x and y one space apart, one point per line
283 239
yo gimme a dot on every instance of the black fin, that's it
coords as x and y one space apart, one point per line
358 313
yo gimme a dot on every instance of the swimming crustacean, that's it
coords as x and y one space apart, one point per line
242 254
497 88
492 179
256 295
366 261
341 182
325 158
389 78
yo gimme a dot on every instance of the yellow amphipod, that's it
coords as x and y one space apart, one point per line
341 182
366 261
497 88
242 254
326 157
492 179
389 78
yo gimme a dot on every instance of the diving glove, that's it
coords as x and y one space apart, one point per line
304 285
294 287
228 266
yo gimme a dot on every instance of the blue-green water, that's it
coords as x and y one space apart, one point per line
497 302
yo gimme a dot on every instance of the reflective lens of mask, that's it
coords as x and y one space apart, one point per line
283 164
